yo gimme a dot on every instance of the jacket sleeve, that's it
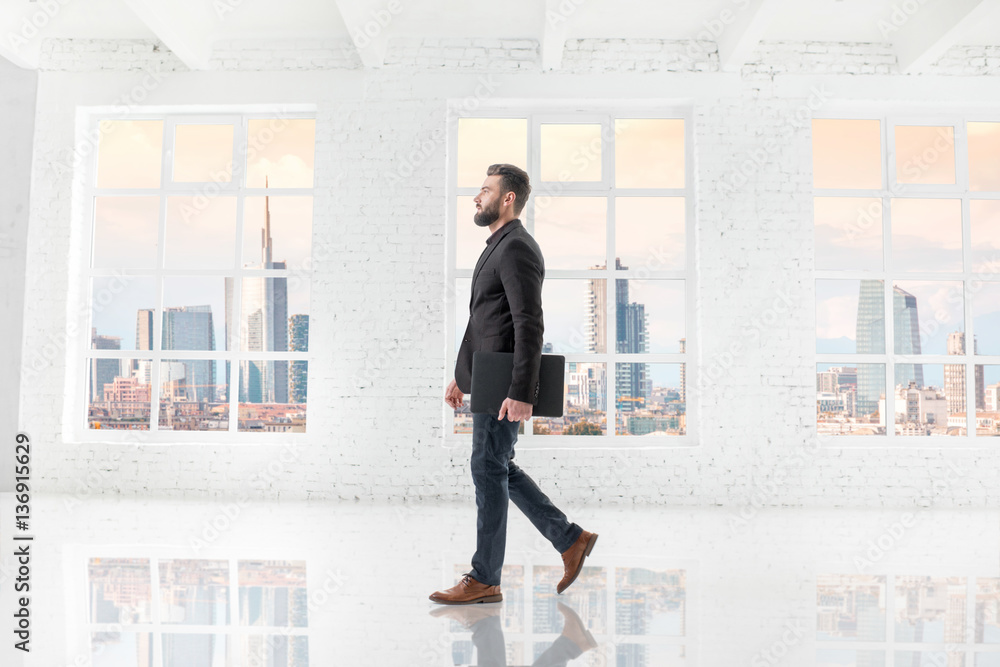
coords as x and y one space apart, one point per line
521 273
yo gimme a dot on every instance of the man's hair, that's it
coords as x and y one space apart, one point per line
512 179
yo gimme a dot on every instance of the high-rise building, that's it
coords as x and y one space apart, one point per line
192 328
683 342
632 383
870 338
263 325
103 371
954 376
298 340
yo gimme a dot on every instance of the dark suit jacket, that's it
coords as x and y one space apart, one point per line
505 313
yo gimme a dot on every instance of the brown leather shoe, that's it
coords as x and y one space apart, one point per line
573 559
467 591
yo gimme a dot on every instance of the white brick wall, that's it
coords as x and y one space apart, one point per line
379 267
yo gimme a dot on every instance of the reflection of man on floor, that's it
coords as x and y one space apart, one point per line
505 315
487 635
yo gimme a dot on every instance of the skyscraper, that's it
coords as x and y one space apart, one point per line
906 336
103 371
632 385
263 325
298 336
192 328
870 339
954 376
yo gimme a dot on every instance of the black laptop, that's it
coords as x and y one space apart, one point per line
491 375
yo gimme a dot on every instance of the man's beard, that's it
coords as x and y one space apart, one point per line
487 216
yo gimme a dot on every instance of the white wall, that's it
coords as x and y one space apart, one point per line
17 110
379 262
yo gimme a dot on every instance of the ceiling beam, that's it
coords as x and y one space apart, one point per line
553 39
180 26
922 37
367 26
741 29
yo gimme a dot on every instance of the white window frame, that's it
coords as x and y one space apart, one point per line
889 118
78 373
537 113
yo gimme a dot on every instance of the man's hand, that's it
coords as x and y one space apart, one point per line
453 395
515 410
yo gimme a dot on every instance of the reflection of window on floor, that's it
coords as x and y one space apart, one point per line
906 227
877 620
637 616
197 612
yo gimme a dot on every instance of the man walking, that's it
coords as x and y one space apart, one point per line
505 315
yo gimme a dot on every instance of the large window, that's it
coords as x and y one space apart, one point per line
907 222
198 274
611 209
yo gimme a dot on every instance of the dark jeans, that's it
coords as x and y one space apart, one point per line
498 478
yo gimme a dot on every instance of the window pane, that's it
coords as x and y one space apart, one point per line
272 592
850 399
926 316
649 399
203 153
834 657
122 312
986 316
571 152
930 609
268 305
649 152
984 156
280 152
195 313
988 406
586 398
486 141
847 153
194 592
929 399
575 315
572 231
985 218
470 239
126 232
650 232
850 316
925 154
129 153
277 230
850 606
119 394
194 395
848 233
926 234
201 232
649 315
265 402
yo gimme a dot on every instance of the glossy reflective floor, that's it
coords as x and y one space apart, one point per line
218 584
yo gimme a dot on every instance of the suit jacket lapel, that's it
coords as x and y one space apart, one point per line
489 251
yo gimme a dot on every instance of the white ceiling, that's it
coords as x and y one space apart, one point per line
191 27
